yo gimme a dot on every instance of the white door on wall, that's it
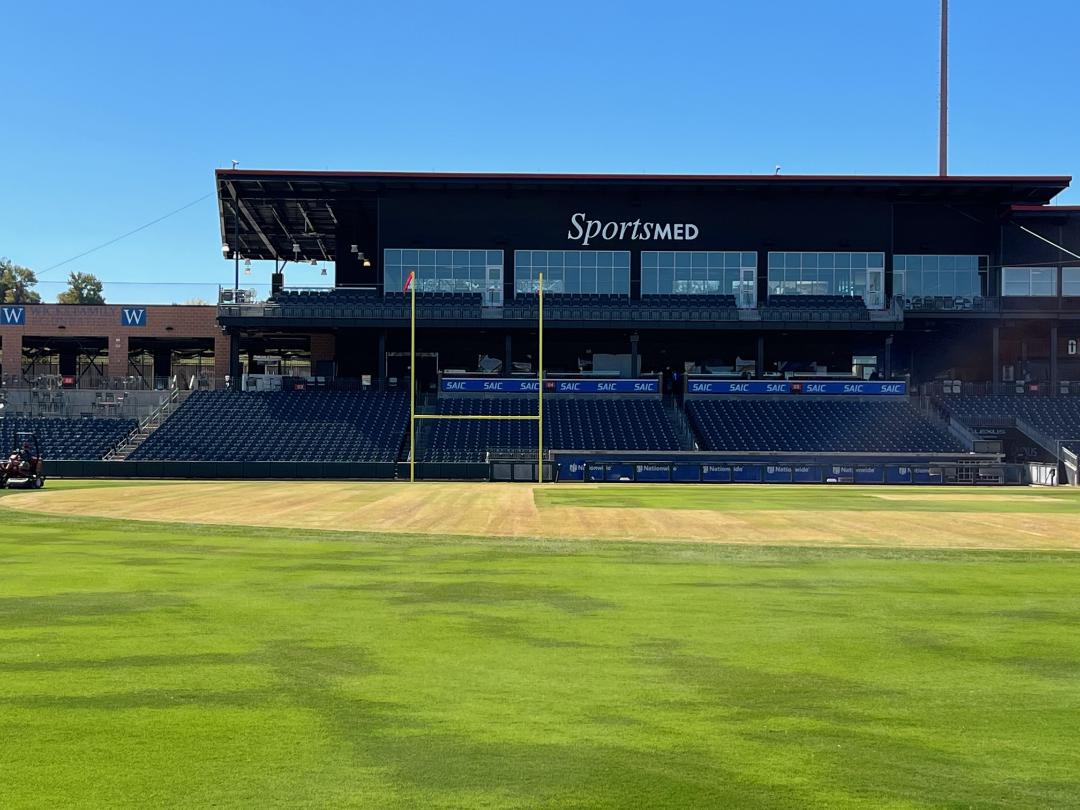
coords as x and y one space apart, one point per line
875 288
747 288
493 287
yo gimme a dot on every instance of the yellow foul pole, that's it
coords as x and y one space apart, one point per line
540 389
412 382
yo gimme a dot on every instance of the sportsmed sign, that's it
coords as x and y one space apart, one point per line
584 230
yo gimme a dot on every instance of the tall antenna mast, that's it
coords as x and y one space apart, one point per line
943 111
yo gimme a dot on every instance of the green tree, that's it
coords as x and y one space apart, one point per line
16 284
83 288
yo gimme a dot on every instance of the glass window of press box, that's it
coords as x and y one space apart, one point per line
1070 281
825 273
1028 281
442 270
939 276
685 272
585 272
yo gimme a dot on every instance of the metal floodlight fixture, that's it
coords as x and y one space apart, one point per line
225 248
367 262
295 247
313 262
355 249
247 267
323 273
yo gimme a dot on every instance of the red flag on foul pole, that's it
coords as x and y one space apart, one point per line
409 281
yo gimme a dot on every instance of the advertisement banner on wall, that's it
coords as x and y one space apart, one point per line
737 387
870 388
517 385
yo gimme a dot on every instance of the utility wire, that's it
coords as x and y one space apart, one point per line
126 235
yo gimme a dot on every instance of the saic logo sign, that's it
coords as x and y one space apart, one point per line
133 316
583 230
512 385
13 316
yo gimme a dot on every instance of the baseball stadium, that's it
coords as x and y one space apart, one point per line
563 491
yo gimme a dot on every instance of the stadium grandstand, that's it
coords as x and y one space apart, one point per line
763 320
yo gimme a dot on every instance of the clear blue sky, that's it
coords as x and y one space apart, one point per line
116 113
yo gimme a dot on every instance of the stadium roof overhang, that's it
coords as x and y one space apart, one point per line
290 215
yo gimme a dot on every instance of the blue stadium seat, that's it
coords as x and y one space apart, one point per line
282 426
1057 418
367 303
816 426
78 439
569 424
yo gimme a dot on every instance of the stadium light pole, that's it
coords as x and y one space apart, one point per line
943 101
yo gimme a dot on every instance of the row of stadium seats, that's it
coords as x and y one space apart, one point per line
77 439
815 302
815 308
371 426
561 306
282 426
290 299
1056 417
569 424
816 426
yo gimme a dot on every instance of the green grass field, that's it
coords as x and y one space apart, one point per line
160 666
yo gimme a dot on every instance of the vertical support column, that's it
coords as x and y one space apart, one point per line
235 369
69 363
886 362
322 347
995 354
759 367
508 354
221 359
635 364
380 374
1054 359
162 363
118 356
12 347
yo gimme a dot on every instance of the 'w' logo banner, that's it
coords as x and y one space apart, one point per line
133 316
12 316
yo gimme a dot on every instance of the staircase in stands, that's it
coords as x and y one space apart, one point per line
148 425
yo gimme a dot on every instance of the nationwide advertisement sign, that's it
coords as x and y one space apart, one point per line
514 385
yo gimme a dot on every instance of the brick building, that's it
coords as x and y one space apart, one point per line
96 344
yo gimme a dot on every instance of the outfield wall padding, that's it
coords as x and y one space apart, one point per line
220 470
